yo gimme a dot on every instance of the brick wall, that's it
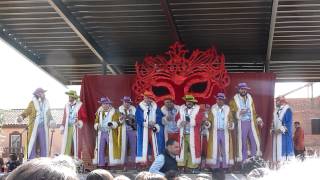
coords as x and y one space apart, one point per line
56 141
303 111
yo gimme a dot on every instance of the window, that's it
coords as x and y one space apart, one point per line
15 142
315 126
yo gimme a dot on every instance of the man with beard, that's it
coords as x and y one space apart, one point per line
169 120
220 142
106 123
128 131
282 131
166 161
74 113
244 113
191 116
150 138
40 119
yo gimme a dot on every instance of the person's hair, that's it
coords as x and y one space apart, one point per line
203 176
297 122
4 176
182 177
170 142
21 156
252 163
145 175
258 173
13 156
121 177
1 162
172 174
46 169
218 174
99 174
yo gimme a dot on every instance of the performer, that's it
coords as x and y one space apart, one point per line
128 131
191 116
170 118
40 119
243 110
220 146
106 124
282 131
73 115
149 129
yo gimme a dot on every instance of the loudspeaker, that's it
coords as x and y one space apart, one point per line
315 126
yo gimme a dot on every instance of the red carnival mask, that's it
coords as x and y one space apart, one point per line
201 74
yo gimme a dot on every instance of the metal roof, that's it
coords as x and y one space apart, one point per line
71 38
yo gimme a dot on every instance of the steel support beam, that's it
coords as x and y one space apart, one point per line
66 15
167 11
104 69
271 33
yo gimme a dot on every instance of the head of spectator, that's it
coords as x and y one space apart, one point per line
172 147
20 158
172 174
45 169
99 174
296 124
144 175
121 177
203 176
1 162
3 176
13 157
218 174
12 163
182 177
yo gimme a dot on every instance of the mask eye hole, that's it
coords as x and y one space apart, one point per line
198 87
160 90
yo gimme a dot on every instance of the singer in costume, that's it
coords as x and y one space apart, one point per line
243 110
74 113
40 119
150 138
128 131
106 123
282 132
170 118
191 116
220 146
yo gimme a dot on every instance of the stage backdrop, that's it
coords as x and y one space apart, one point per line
117 86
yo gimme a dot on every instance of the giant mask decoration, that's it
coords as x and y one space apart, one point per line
178 72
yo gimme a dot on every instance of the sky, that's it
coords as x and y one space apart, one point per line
19 77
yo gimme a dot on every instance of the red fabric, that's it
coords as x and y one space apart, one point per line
92 88
115 87
173 136
204 146
197 133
